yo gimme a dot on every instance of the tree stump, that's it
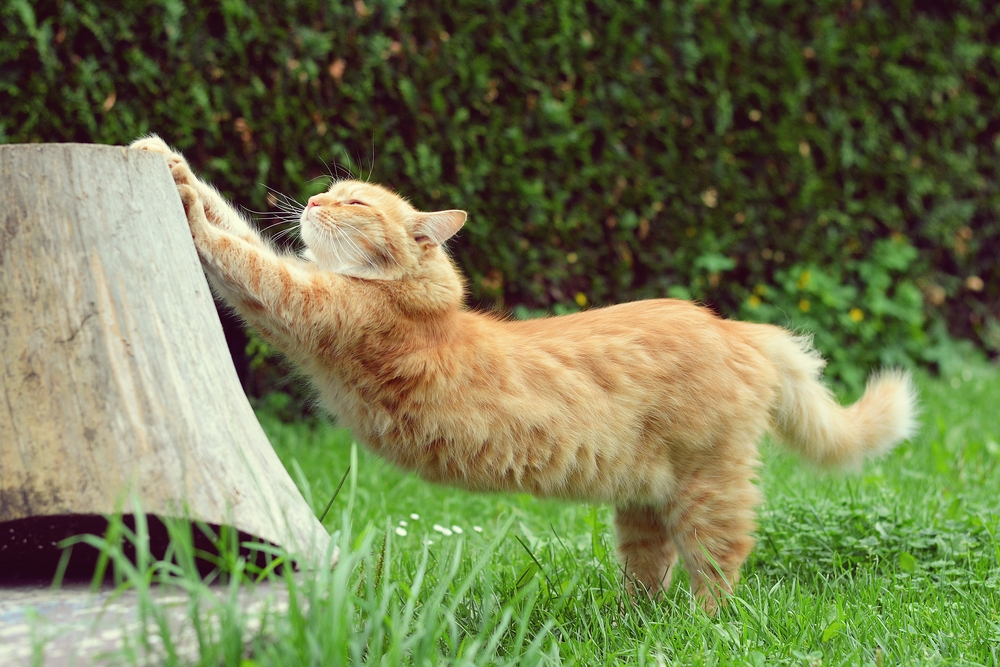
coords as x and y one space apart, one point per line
115 378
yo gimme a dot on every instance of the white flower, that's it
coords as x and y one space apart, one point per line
478 529
415 516
441 529
403 523
401 532
457 529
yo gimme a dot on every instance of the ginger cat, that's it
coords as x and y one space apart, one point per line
655 406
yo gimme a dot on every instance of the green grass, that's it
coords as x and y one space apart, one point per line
896 565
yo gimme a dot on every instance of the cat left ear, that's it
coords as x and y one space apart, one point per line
435 228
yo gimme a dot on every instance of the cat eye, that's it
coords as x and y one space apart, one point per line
355 202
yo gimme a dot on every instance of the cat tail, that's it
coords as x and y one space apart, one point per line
808 419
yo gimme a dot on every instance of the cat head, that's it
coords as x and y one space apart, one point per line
366 231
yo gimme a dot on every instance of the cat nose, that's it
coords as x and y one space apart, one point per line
312 202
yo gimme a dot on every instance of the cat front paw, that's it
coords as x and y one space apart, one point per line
194 209
182 174
154 144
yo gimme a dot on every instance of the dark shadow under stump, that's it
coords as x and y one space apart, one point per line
30 552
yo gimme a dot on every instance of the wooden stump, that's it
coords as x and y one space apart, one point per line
115 378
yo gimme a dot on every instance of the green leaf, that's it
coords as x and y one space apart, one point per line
907 563
713 262
526 576
833 630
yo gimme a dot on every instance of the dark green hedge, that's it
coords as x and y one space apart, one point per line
828 165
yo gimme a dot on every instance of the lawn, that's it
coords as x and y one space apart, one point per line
898 564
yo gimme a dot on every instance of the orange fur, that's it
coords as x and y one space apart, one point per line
655 407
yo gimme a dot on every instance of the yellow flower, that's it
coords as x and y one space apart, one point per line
804 279
581 299
856 314
754 300
804 305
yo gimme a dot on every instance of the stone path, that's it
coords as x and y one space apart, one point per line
74 626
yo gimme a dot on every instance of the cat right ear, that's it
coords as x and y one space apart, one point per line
432 229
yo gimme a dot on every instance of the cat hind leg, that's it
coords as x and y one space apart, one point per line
646 549
712 527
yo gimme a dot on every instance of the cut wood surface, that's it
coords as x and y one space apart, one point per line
115 378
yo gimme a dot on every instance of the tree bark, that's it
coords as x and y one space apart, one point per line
115 379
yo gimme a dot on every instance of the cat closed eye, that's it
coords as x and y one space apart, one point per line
355 202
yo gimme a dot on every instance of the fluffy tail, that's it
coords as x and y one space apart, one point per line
809 420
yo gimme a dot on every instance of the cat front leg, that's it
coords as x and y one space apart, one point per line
218 211
277 294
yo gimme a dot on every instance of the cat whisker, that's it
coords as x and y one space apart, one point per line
291 213
321 176
279 223
282 210
355 254
350 172
341 252
281 198
272 214
327 238
355 229
290 208
280 217
353 245
288 204
268 228
290 216
337 170
371 170
370 240
278 193
332 174
287 232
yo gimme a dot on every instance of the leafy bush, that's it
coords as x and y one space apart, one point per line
825 166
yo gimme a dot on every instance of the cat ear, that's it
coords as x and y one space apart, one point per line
435 228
